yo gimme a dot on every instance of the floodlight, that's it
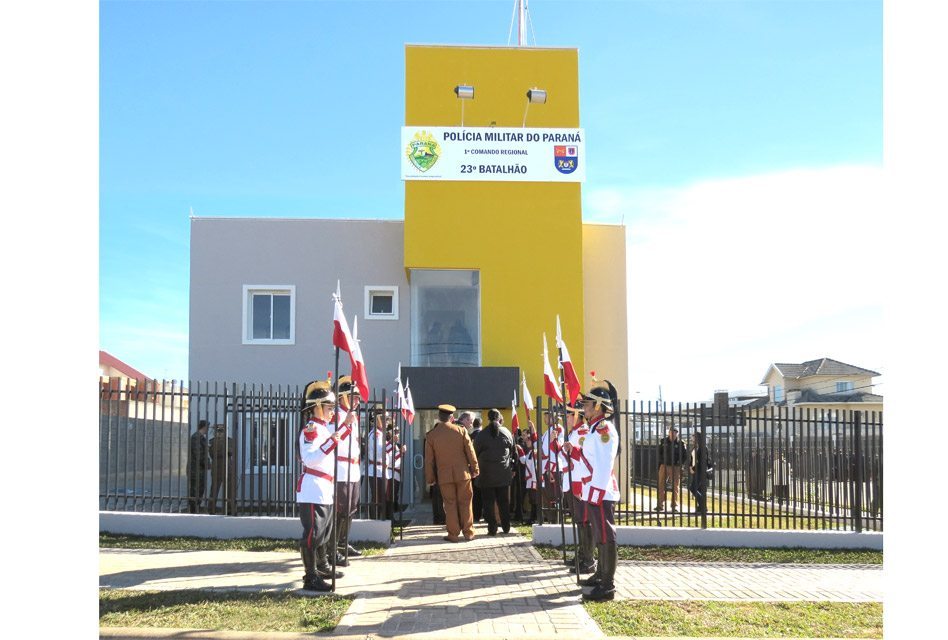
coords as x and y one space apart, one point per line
464 91
537 96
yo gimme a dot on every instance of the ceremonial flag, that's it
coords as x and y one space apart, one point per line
515 420
527 398
409 404
400 394
340 331
569 373
342 338
550 388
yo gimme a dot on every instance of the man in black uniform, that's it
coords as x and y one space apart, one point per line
223 471
198 461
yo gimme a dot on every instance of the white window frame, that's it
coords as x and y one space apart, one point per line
372 288
273 289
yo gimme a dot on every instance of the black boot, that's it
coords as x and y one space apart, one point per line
309 562
596 577
606 589
311 579
323 568
587 563
353 552
342 537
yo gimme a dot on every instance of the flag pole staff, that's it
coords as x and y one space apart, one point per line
335 467
352 410
557 485
354 407
569 462
550 434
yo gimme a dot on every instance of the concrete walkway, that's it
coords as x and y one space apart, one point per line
492 587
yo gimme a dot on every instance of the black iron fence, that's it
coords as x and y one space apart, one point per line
771 467
778 468
149 449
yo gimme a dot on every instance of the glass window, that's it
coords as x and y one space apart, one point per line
268 315
842 387
445 318
270 441
778 393
381 302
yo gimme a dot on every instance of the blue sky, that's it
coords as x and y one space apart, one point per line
739 141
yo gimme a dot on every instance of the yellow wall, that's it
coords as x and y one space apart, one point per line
606 314
526 238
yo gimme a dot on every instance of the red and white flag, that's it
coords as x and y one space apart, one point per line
400 390
515 419
569 373
409 410
550 387
527 398
342 338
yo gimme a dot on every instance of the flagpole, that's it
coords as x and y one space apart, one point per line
557 488
569 462
354 409
537 454
335 474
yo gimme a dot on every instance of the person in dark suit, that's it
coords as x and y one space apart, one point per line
699 468
473 427
496 457
450 461
198 462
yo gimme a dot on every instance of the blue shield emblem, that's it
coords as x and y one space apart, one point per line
565 158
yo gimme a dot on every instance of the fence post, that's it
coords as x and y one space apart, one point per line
857 472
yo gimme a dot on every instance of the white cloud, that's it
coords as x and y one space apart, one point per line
727 276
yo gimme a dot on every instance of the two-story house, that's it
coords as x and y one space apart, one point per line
825 384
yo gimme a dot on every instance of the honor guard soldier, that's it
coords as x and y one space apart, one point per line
348 472
599 488
376 468
398 452
529 461
572 495
552 462
314 489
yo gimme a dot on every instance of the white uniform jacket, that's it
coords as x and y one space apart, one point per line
376 456
349 469
317 450
397 462
551 452
572 468
598 456
528 461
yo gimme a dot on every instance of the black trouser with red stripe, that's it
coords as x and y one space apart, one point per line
316 519
347 503
602 517
584 533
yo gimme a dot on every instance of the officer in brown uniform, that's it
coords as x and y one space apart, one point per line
450 461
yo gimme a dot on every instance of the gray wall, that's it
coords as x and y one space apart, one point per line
228 253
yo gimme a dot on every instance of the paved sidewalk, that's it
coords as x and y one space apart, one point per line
490 587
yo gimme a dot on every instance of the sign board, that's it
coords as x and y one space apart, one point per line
498 154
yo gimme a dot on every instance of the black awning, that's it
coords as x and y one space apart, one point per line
464 387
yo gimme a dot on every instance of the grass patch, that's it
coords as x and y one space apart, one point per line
232 611
185 543
718 554
739 619
526 530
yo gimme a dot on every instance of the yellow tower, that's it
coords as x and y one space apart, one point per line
525 239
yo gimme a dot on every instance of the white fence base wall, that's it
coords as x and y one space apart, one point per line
744 538
207 526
